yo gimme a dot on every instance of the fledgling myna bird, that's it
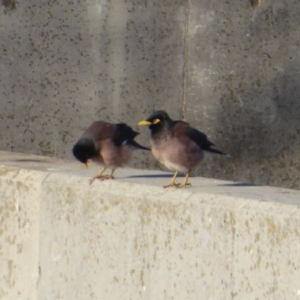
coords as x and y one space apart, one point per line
108 144
177 145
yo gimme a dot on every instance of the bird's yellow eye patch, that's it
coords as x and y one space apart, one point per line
155 121
144 123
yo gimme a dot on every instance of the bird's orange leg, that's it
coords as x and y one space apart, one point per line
172 183
110 176
185 181
98 176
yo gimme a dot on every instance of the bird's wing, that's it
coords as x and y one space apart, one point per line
198 137
186 133
100 131
118 133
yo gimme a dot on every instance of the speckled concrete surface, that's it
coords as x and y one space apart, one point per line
151 177
243 87
127 239
65 64
228 68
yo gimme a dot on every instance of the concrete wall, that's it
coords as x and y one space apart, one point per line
230 69
131 239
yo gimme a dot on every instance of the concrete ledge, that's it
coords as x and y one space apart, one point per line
131 239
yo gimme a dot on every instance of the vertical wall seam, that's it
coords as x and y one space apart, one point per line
185 58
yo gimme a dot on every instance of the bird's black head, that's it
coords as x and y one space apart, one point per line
157 121
84 149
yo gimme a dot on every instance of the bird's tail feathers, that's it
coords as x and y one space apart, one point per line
136 145
211 151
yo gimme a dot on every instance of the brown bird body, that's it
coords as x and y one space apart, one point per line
174 149
177 145
108 144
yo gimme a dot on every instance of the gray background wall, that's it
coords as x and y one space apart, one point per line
228 68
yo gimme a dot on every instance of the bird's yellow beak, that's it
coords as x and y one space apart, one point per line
87 164
147 123
144 123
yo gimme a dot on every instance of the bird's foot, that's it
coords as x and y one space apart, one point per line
172 185
92 179
178 185
101 177
182 185
107 177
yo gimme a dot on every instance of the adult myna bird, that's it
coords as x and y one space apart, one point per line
177 145
108 144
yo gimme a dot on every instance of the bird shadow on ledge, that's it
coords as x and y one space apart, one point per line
23 160
154 176
237 184
29 160
233 184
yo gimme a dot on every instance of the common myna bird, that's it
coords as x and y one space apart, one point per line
108 144
177 145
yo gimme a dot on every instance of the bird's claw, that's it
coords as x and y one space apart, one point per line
92 180
101 177
177 185
183 185
171 185
107 177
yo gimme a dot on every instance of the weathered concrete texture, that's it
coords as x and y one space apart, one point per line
228 68
243 87
63 239
65 64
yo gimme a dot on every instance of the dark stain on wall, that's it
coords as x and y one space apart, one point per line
9 4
